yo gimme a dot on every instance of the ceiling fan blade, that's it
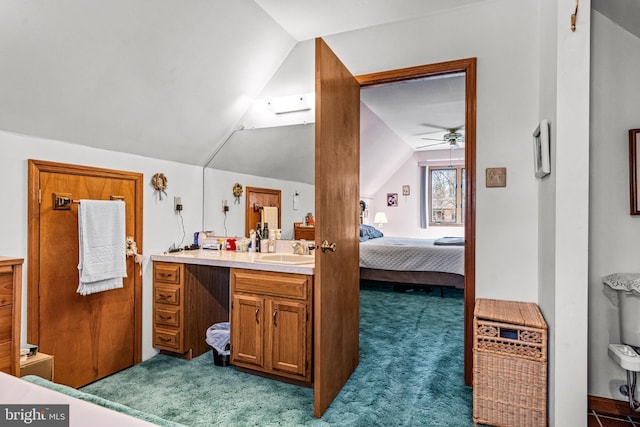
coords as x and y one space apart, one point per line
432 145
435 139
429 125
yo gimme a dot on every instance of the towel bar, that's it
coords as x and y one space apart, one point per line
63 201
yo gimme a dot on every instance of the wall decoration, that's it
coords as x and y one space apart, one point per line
392 199
541 150
634 171
406 190
160 183
237 192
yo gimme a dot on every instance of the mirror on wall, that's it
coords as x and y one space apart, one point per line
281 157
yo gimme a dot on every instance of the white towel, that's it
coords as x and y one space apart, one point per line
101 231
270 216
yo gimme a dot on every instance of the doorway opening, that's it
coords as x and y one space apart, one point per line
467 67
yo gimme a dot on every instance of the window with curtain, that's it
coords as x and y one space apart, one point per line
443 195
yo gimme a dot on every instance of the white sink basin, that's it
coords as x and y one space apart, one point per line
289 259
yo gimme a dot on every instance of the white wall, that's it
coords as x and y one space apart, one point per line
507 112
546 187
564 207
162 227
613 233
404 219
218 186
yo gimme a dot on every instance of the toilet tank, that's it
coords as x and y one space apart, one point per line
629 318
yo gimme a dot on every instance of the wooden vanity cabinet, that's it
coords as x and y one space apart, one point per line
10 311
307 232
271 323
187 299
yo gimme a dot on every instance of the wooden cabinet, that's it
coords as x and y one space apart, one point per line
187 299
301 231
271 323
10 311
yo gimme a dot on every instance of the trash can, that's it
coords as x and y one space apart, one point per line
219 340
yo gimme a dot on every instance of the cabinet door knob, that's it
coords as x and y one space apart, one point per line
257 312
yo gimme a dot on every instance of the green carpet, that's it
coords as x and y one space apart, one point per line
410 374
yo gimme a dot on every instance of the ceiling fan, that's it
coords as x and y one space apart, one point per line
452 138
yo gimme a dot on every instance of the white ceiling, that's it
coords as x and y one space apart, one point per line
418 109
625 13
173 80
306 19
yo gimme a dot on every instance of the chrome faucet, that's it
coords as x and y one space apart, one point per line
299 248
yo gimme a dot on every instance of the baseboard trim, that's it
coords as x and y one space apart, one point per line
610 406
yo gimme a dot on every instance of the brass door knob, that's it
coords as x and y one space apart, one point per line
325 246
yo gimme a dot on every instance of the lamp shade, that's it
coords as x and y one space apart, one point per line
380 218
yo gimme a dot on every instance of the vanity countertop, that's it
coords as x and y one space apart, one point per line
231 259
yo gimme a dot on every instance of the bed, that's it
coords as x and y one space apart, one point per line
413 261
37 394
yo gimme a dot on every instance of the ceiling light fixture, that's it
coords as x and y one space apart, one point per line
291 104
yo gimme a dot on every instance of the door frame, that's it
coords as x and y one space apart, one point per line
35 167
468 66
258 190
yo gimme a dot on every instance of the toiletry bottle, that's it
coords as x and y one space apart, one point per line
258 237
252 238
265 231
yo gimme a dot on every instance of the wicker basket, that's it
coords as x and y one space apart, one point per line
509 364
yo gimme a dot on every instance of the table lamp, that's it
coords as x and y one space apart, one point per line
380 219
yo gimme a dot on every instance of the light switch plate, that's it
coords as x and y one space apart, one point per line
496 177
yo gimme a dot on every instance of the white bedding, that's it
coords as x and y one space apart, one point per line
16 391
411 254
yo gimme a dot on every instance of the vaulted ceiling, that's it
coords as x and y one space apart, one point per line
177 80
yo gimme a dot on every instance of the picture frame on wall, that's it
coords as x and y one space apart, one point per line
541 150
406 190
392 199
634 171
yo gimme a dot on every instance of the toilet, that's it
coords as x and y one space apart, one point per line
626 354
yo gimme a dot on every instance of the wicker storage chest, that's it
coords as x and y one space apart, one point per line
509 364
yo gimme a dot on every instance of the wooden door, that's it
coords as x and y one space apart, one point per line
288 336
337 275
255 200
247 316
90 336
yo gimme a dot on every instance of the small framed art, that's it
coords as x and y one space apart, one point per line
634 171
392 199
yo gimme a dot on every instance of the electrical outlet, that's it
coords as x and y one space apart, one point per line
225 206
496 177
177 203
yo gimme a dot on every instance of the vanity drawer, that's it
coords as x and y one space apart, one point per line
166 273
166 295
167 339
166 315
5 323
6 285
266 282
5 357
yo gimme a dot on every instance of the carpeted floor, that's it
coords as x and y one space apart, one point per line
410 374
